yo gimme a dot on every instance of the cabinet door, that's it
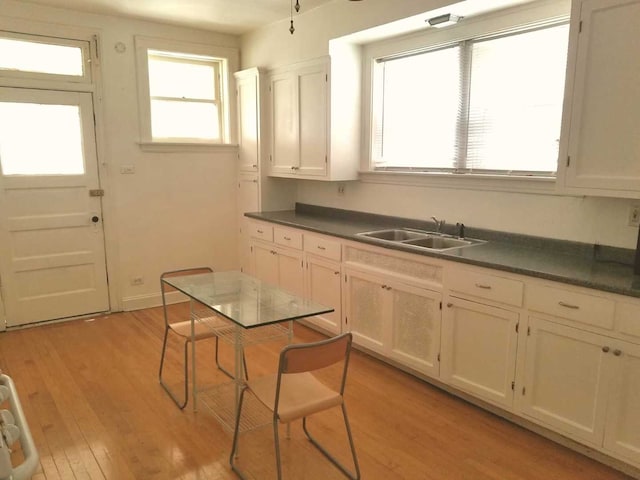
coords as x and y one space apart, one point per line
323 284
248 201
290 270
367 311
604 145
565 379
265 262
478 351
416 318
248 121
312 95
622 428
285 154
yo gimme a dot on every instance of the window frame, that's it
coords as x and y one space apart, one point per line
496 24
227 59
83 45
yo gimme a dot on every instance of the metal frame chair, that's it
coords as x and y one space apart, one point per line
294 392
214 325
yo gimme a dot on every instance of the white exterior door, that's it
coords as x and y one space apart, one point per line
51 235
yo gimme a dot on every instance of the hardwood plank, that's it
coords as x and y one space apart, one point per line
91 395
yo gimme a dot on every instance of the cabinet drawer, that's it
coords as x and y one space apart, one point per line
261 231
287 237
483 285
628 319
577 306
322 247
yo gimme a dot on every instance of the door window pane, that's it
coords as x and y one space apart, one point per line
38 57
38 139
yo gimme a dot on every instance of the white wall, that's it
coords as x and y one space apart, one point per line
178 209
591 220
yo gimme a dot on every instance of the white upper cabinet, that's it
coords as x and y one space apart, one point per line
248 98
300 124
600 151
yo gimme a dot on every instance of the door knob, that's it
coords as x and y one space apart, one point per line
95 219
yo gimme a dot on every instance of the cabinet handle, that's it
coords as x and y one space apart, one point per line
273 252
605 349
568 305
260 231
320 247
485 287
617 352
449 305
254 165
336 273
383 286
288 239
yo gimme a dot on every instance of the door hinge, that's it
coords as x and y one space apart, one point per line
568 160
345 278
346 319
580 27
96 192
95 42
440 305
528 331
517 327
524 390
513 385
326 75
438 356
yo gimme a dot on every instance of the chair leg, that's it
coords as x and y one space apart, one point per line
180 404
227 372
331 458
236 433
276 441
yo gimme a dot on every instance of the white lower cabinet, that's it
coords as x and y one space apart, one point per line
565 379
479 346
622 428
399 321
585 385
323 284
278 266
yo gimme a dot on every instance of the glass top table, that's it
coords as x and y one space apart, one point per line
248 303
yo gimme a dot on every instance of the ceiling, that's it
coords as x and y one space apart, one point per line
226 16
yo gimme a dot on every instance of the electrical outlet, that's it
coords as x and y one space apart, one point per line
634 216
137 280
341 189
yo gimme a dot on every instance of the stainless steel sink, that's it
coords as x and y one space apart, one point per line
394 235
419 239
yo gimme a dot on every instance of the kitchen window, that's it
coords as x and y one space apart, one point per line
491 104
183 93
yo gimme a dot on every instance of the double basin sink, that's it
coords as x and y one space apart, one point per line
420 239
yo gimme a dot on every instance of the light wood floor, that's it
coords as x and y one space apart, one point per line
90 392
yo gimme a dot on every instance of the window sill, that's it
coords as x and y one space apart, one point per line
187 147
499 183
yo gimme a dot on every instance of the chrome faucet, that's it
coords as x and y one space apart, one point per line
439 224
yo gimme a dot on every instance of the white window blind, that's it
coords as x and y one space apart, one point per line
480 105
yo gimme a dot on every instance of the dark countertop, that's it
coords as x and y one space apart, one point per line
603 268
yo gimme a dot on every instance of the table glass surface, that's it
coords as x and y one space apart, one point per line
244 299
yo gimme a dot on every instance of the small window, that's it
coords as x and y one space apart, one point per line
182 95
43 57
486 105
